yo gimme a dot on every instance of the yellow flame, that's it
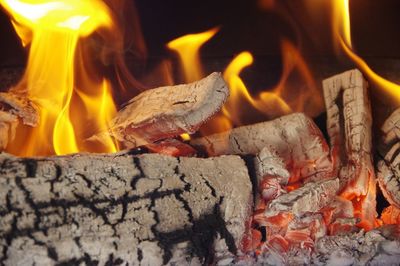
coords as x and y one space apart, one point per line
188 47
101 109
342 33
54 27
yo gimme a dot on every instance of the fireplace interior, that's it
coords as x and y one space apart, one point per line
199 132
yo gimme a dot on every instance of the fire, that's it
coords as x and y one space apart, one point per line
342 34
188 48
53 29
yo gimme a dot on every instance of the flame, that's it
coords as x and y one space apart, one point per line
342 34
266 102
53 29
188 48
276 101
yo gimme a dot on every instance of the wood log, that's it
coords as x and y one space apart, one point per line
349 124
295 138
267 163
121 209
310 198
169 111
15 108
389 166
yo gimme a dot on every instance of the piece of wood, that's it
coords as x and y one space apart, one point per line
169 111
349 122
122 209
310 198
267 163
15 108
389 167
295 138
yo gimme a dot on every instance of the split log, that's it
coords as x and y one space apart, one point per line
295 138
310 198
15 108
169 111
121 209
389 167
349 126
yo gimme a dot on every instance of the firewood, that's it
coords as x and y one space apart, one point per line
349 124
267 163
172 147
169 111
310 198
389 166
295 138
122 209
15 108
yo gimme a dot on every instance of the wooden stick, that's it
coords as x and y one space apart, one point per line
121 209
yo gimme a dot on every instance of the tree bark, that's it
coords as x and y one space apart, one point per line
115 209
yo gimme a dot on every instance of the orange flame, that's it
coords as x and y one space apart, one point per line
188 48
53 29
342 33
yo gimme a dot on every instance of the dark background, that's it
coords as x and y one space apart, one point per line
245 25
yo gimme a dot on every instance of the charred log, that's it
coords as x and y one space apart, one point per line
15 108
389 166
115 209
295 138
349 124
167 112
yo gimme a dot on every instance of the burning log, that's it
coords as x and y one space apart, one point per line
167 112
389 167
295 138
267 163
121 209
310 198
13 109
349 126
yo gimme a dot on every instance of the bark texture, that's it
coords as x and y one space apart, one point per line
115 209
349 126
389 166
295 138
169 111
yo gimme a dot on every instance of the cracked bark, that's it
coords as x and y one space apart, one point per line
295 139
349 122
169 111
114 209
389 166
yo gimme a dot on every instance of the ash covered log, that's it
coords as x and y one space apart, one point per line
167 112
295 138
349 124
15 108
115 209
389 166
310 198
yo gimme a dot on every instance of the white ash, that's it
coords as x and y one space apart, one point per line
310 198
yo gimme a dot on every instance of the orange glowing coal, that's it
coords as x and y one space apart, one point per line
52 30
